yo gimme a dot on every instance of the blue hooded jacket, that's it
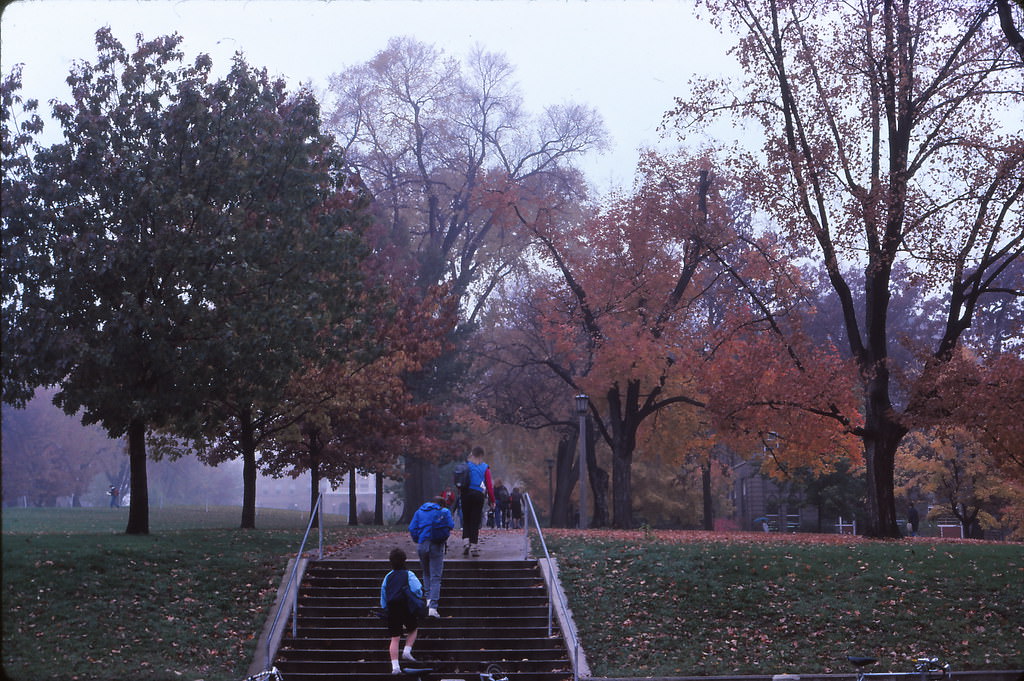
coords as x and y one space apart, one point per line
423 519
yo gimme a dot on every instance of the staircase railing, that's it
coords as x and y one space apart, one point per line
568 625
291 589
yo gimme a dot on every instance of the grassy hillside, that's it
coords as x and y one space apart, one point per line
83 601
693 603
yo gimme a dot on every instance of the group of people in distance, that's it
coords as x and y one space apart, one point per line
403 597
508 508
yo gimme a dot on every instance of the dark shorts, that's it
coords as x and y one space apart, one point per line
399 620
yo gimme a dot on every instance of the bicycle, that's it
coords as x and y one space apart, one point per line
493 673
925 668
266 675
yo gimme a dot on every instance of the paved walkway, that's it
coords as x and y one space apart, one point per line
494 545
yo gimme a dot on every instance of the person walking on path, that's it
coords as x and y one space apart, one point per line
914 520
399 616
501 505
480 488
516 508
430 527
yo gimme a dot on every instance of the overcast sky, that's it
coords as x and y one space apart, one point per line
626 58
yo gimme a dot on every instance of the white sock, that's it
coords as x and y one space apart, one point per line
407 651
394 664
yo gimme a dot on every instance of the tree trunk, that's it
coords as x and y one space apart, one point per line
314 480
709 507
598 478
378 501
248 445
884 436
565 479
353 508
315 450
421 485
622 472
138 508
882 431
623 421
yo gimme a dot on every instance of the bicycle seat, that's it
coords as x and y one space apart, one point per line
858 661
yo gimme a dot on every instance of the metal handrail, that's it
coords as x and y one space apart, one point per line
561 596
291 579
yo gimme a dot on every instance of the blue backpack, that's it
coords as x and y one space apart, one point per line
439 529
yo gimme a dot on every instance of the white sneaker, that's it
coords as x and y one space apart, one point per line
432 612
465 548
408 657
474 550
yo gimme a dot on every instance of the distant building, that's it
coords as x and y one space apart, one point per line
759 499
293 493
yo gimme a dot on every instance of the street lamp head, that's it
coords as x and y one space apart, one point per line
581 404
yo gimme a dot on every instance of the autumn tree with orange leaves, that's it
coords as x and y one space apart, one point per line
667 299
358 414
892 153
949 467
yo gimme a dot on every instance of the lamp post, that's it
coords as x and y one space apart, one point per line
551 490
581 410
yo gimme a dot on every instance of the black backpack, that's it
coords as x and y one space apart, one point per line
398 591
460 476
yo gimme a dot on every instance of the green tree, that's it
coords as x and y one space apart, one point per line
185 241
836 494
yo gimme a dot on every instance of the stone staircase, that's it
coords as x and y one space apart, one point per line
491 612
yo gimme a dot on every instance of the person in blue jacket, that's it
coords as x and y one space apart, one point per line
480 490
430 527
399 617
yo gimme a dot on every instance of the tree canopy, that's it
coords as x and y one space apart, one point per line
446 147
664 300
892 152
187 236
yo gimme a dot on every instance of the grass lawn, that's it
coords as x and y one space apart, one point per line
82 600
692 603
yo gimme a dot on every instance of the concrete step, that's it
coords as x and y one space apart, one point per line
437 675
454 606
492 612
510 640
431 651
446 623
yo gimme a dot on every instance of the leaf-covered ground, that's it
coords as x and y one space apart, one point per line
84 602
694 603
91 603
